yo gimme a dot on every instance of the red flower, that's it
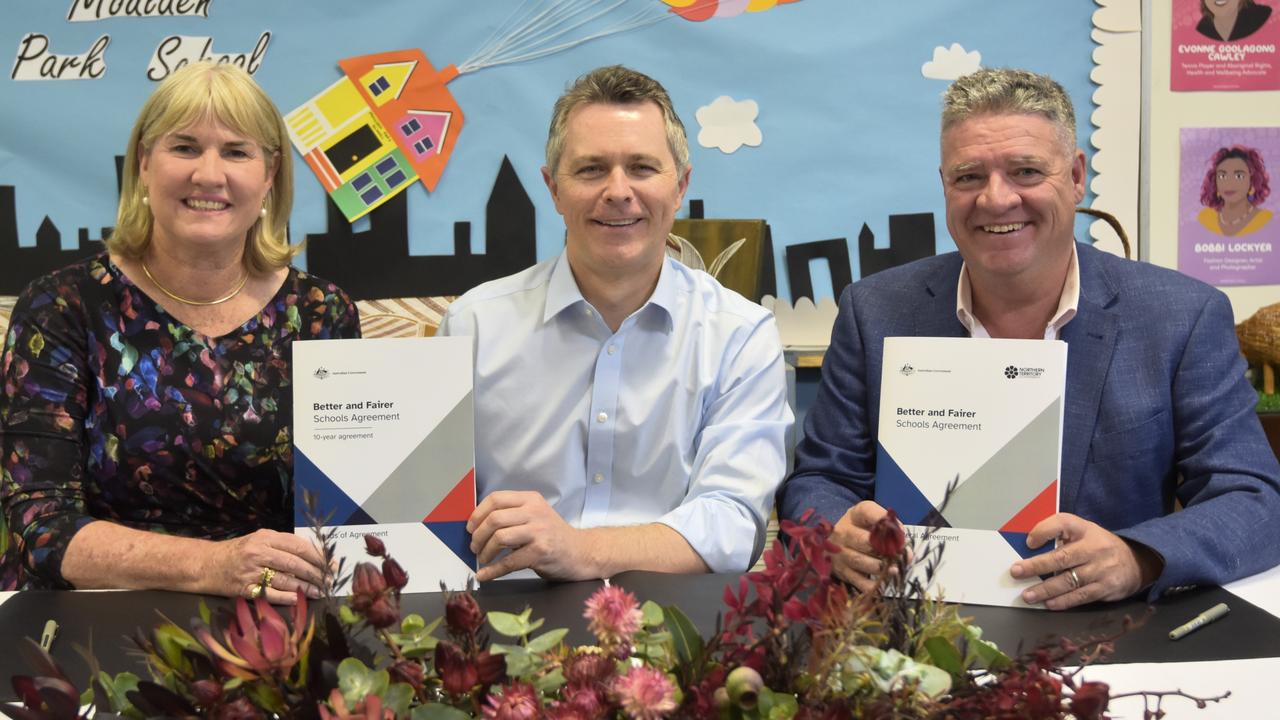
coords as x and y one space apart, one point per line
374 546
370 596
518 701
408 671
1090 700
491 668
586 668
584 702
206 692
887 537
238 709
395 575
457 672
462 614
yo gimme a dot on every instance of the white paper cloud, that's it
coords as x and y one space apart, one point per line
728 124
951 63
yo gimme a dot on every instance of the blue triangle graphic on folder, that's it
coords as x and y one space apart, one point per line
1018 541
454 536
895 490
329 497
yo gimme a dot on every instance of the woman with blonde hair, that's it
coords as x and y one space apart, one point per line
147 408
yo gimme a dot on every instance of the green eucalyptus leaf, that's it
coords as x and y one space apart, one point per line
347 615
652 613
358 682
547 640
521 663
945 656
412 623
550 682
684 635
206 616
510 625
438 711
986 652
397 698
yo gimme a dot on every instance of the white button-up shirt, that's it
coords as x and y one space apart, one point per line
678 418
1068 302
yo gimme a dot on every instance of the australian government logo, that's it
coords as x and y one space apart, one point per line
323 372
1013 372
908 369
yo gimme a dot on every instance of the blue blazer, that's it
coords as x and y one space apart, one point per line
1157 409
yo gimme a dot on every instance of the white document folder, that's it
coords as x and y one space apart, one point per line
987 413
384 438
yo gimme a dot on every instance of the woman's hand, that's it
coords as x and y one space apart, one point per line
239 566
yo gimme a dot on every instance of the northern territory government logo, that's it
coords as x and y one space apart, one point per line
320 373
906 369
1013 372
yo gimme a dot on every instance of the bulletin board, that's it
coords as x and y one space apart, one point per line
818 116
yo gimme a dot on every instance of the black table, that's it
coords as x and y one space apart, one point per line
102 620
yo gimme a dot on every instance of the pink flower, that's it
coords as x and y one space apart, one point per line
645 693
614 615
518 701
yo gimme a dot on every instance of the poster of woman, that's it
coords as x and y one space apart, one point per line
1225 45
1228 234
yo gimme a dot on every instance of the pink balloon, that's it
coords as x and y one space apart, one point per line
730 8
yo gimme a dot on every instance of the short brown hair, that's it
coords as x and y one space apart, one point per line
616 85
999 91
229 95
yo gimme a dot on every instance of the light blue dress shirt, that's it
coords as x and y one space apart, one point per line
678 418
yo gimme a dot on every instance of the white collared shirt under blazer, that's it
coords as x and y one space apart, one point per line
680 417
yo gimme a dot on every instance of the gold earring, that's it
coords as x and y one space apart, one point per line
146 200
263 212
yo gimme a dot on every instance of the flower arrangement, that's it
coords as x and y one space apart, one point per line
792 643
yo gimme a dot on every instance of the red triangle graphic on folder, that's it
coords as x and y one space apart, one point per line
458 505
1044 505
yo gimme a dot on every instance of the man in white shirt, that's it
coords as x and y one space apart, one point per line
630 412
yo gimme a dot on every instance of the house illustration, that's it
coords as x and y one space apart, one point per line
387 122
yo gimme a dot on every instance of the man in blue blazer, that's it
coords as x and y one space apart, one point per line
1157 408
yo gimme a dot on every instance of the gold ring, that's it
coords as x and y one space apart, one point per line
254 592
265 579
1075 579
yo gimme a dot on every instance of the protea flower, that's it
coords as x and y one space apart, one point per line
259 643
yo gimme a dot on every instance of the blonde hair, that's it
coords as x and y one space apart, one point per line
616 85
226 93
